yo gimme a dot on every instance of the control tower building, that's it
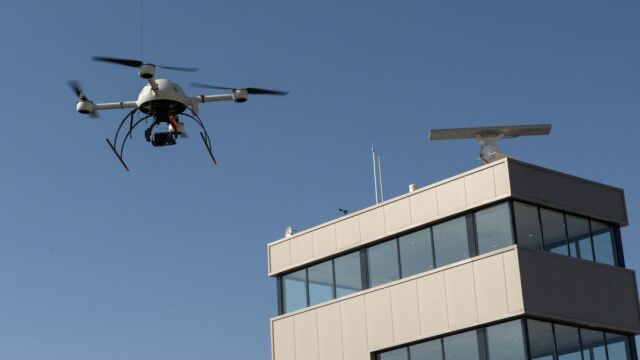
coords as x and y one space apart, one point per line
507 261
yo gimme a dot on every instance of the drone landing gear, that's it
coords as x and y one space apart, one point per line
203 134
156 139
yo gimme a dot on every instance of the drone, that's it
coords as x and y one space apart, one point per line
164 103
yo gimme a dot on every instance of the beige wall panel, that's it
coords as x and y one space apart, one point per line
324 241
372 224
329 332
354 329
501 179
397 215
424 206
451 197
284 345
432 301
405 310
279 256
512 281
461 296
306 336
347 232
301 248
379 321
491 289
480 187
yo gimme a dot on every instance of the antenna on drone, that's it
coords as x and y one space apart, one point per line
489 135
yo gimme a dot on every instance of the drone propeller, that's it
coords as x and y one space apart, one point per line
138 63
75 86
249 90
77 89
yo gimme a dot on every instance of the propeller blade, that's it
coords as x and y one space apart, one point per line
138 63
250 90
77 89
176 68
206 86
257 91
125 62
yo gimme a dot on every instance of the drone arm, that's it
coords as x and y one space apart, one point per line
209 98
116 105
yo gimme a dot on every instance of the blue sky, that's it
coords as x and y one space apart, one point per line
169 261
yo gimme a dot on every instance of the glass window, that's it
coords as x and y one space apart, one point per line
603 243
295 290
618 347
505 342
430 350
493 226
399 354
567 343
462 346
528 228
320 282
415 252
553 231
579 237
383 263
348 274
450 241
593 345
540 340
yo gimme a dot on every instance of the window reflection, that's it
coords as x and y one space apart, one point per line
493 227
528 228
416 255
567 343
618 347
383 263
399 354
450 241
579 237
593 347
430 350
505 342
295 290
461 346
554 232
320 282
348 274
541 342
603 243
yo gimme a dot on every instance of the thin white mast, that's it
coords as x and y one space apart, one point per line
380 175
375 175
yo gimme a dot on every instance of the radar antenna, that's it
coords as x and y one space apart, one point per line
489 135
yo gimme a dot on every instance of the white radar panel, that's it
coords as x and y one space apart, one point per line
489 135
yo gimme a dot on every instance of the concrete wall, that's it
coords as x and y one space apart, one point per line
486 184
436 302
499 285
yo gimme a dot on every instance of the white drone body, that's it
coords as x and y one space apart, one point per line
161 90
163 101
